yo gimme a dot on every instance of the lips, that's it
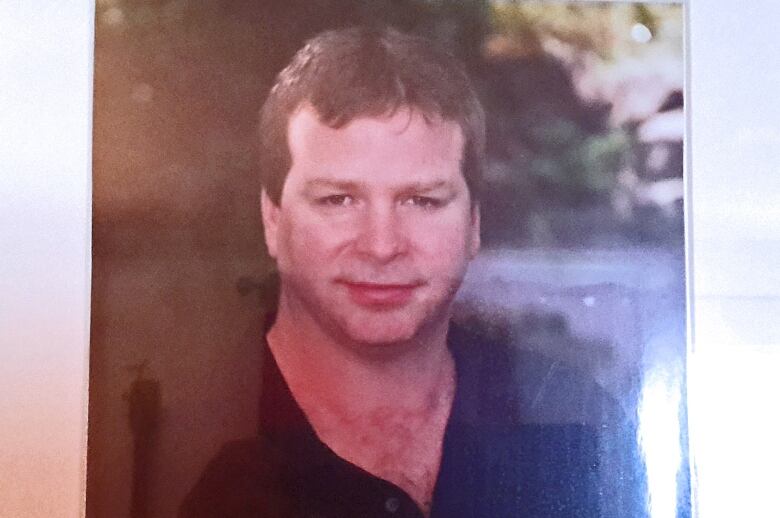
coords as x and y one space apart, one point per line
374 295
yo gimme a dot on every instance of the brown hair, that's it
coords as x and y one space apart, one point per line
369 72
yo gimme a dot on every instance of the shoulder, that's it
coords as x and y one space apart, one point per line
554 416
526 386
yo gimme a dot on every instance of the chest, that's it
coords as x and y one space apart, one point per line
402 447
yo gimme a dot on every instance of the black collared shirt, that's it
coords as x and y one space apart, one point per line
526 438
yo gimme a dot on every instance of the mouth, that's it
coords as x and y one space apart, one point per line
380 295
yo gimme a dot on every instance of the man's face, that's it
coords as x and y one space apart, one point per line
375 226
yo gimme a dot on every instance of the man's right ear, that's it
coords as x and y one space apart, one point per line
270 211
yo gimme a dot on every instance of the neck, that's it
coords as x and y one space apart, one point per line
385 413
351 378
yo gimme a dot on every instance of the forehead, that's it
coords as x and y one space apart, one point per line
402 144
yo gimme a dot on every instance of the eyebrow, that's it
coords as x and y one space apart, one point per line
351 185
329 184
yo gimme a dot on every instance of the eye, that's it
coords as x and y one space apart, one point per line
336 200
424 202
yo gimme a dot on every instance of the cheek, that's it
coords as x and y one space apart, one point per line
309 241
445 246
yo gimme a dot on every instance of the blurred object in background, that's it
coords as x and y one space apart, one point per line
575 94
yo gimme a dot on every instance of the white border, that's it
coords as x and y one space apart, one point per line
45 256
734 247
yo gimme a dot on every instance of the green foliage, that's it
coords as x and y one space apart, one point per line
601 28
565 143
576 160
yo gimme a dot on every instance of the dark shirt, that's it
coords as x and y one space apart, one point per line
526 437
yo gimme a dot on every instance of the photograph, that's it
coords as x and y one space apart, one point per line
356 258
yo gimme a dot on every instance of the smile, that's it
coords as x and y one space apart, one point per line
379 295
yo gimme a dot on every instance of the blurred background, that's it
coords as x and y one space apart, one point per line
582 218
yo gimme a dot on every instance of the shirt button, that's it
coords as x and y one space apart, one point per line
392 504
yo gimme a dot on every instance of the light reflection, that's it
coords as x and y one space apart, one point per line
114 16
734 427
659 437
640 33
142 93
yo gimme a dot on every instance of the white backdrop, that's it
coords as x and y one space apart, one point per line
734 245
734 202
45 199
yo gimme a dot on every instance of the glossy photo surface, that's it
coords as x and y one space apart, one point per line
560 286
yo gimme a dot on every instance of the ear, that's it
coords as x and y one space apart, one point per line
270 212
474 239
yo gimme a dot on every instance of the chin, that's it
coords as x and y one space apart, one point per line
385 332
379 336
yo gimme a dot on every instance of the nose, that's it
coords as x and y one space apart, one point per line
382 237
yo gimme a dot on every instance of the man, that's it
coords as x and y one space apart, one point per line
372 147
